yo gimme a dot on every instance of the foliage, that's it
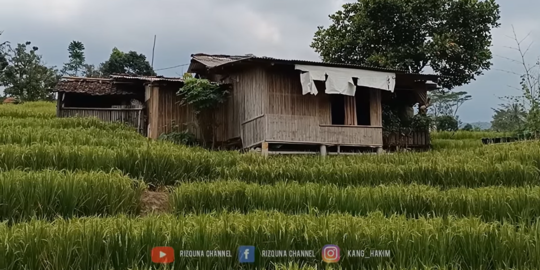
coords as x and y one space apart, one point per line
3 60
131 63
446 103
468 127
48 194
397 122
26 77
180 137
509 117
201 94
91 71
204 97
453 37
77 59
446 123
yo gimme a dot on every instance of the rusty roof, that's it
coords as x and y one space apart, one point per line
217 60
90 86
146 78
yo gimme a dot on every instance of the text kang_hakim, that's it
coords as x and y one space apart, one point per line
368 253
288 253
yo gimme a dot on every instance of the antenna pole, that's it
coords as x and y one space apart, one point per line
153 50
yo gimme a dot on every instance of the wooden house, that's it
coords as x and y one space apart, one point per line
276 105
296 105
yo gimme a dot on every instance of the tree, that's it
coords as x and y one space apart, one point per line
509 117
446 123
453 37
130 63
3 59
91 71
77 59
526 105
26 77
468 127
446 103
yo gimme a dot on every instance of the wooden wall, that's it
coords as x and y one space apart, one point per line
294 117
246 105
131 116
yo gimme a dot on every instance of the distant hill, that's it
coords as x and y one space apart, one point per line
481 125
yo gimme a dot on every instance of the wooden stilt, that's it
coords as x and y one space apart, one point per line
264 149
323 151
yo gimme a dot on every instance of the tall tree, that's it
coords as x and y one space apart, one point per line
509 117
26 77
77 60
447 103
453 37
131 63
3 59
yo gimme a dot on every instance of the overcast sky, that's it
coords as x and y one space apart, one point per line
276 28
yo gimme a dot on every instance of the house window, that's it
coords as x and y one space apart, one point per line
351 111
363 107
337 109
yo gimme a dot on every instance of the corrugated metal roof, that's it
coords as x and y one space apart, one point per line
147 78
90 86
215 60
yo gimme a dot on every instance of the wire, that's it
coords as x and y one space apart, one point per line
171 67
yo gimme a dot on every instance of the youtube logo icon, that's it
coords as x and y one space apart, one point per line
163 255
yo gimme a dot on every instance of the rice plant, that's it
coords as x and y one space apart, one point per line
122 242
40 109
490 203
48 194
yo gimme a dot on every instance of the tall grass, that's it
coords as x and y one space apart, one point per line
121 243
40 109
489 204
74 122
469 135
440 144
72 136
48 194
165 164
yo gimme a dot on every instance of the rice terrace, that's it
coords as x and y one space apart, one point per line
78 193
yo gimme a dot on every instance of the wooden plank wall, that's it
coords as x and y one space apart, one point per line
294 117
246 104
303 129
171 115
131 117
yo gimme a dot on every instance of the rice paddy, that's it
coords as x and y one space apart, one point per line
74 195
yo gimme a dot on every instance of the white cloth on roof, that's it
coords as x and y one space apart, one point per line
339 83
340 80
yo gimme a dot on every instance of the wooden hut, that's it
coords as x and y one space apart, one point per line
148 103
295 106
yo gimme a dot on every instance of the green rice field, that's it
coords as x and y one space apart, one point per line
84 194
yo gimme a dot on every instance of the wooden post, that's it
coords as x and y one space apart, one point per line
323 150
153 112
264 149
59 104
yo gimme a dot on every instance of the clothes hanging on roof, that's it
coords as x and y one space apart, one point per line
340 80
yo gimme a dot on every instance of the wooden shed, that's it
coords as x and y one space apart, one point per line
148 103
293 106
